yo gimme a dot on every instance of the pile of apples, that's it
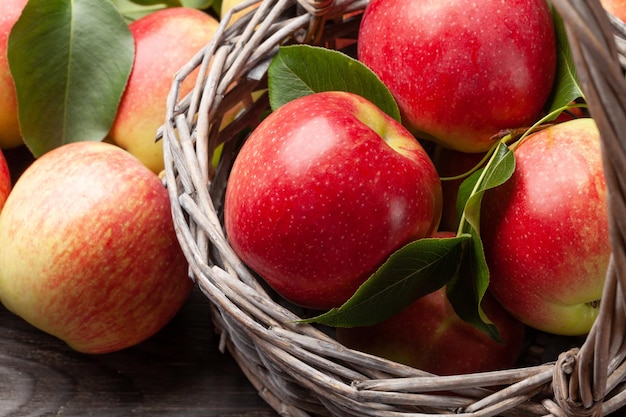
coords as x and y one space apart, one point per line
336 204
89 252
328 192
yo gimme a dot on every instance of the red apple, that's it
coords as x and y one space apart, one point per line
89 253
428 335
616 7
462 70
165 41
323 191
10 136
5 180
545 231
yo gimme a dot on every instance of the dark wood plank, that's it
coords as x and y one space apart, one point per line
178 372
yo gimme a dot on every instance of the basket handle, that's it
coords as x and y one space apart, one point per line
580 379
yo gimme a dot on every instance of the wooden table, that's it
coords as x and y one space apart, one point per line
178 372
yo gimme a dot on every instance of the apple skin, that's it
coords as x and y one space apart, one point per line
5 180
10 136
323 191
165 41
428 335
462 70
89 250
545 231
616 7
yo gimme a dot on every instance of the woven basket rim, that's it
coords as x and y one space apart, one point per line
299 369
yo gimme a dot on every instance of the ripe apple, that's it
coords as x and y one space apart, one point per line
5 180
545 231
616 7
428 335
10 136
462 70
322 192
89 253
165 41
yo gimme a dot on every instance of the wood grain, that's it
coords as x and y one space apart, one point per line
178 372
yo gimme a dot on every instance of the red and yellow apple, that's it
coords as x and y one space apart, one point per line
5 180
10 136
545 231
462 70
428 335
616 7
89 253
165 41
323 191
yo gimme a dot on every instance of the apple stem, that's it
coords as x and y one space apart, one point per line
463 220
514 137
543 122
473 169
540 124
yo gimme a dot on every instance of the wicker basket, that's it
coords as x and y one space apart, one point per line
300 370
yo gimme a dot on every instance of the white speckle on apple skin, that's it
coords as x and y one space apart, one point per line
462 71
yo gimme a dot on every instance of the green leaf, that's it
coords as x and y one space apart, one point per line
133 11
70 60
566 86
197 4
415 270
467 289
497 171
299 70
216 7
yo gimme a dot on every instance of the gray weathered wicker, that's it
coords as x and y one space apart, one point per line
300 370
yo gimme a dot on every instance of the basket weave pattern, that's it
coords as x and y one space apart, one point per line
300 370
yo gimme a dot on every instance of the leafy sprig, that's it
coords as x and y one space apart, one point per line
70 61
425 265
